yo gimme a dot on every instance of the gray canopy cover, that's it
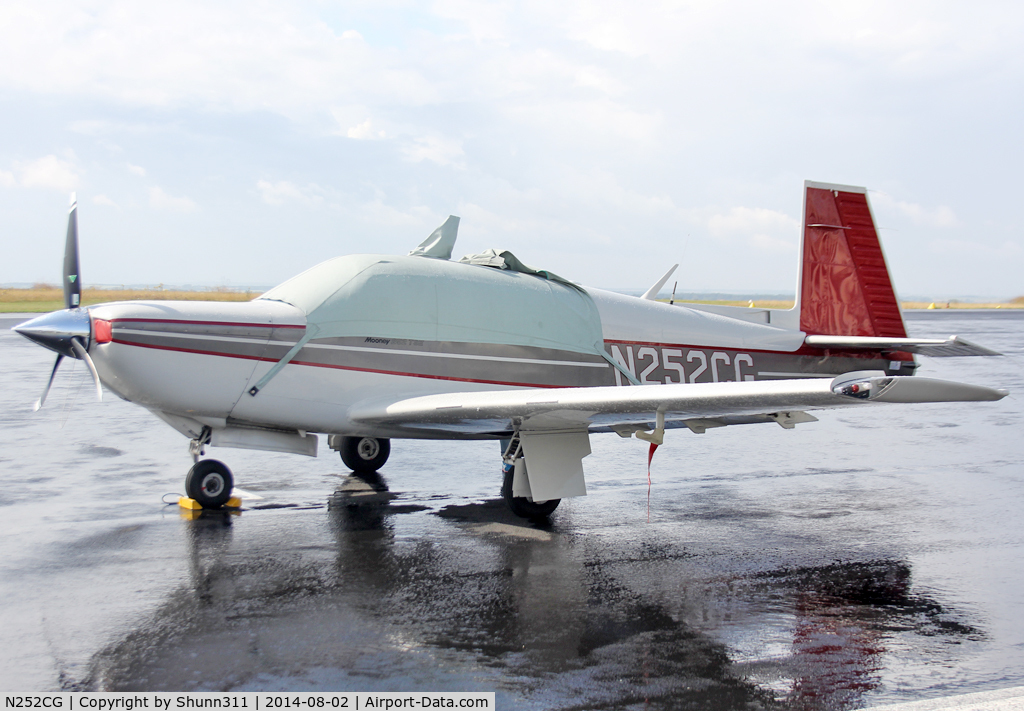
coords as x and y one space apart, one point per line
438 300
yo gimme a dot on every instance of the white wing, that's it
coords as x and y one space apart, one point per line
626 409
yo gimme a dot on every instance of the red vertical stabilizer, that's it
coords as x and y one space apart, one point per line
845 288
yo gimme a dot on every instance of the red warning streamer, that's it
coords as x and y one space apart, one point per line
650 456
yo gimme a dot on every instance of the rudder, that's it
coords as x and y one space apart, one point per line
845 287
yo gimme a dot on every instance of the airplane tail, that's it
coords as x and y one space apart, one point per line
845 288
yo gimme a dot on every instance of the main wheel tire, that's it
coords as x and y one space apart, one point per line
522 506
209 483
364 454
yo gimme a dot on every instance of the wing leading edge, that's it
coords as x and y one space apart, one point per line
698 406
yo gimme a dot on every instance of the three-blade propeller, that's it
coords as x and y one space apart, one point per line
66 332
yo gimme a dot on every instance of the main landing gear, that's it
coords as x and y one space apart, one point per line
361 454
209 481
522 506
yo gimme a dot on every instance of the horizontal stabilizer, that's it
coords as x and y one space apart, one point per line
952 346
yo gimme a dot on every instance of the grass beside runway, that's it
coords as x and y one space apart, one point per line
42 299
45 298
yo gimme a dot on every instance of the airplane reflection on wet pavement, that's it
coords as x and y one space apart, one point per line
540 609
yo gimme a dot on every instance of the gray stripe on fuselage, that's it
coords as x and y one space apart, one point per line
231 340
248 330
192 336
493 363
497 359
487 362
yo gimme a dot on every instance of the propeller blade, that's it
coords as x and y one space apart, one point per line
49 383
84 355
71 278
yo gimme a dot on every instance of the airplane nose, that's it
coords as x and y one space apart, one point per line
56 329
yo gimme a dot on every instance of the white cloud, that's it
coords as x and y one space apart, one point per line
766 230
7 179
280 58
282 191
439 149
96 127
481 221
354 121
160 200
103 200
972 249
365 131
768 243
940 216
288 58
585 122
48 172
378 212
136 170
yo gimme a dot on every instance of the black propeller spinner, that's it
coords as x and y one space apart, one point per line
66 332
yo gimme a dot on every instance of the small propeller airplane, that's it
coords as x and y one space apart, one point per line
368 348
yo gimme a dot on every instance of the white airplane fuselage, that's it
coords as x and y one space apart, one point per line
196 362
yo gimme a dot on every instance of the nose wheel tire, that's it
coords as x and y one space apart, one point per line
209 483
364 454
522 506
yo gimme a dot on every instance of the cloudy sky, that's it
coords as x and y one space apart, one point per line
238 143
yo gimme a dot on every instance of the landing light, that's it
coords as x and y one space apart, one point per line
859 390
101 331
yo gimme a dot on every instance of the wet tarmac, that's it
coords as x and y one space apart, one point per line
872 557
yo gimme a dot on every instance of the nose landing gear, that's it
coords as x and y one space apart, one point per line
209 481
